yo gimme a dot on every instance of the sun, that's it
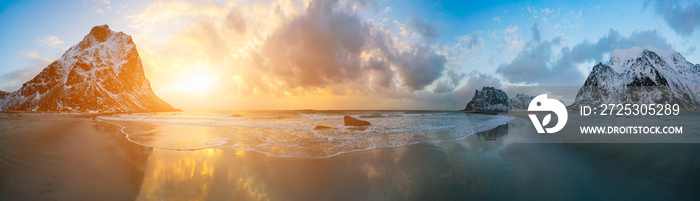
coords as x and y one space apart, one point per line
197 82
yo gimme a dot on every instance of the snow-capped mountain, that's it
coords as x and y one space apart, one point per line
102 73
520 102
489 99
642 75
3 94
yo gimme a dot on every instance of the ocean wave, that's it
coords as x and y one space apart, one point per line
235 124
295 137
177 116
318 116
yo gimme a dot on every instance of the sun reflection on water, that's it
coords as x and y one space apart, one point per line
205 174
168 170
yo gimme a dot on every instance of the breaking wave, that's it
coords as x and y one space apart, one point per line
292 134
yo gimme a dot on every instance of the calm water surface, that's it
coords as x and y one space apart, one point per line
448 161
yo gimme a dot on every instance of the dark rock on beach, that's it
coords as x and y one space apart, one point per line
350 121
322 127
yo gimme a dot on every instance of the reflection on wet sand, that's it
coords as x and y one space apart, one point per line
185 175
493 134
93 161
485 166
385 174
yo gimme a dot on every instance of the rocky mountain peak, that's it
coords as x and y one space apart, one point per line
625 57
642 75
101 33
102 73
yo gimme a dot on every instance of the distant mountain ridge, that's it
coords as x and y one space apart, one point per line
520 102
642 75
102 73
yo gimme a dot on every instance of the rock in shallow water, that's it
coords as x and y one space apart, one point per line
350 121
321 127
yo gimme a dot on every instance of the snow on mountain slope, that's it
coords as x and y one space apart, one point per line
489 99
642 75
520 102
102 73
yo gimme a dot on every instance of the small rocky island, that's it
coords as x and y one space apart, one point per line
489 99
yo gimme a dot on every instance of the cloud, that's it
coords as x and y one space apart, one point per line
690 50
547 11
472 42
34 64
463 50
159 14
101 6
443 87
321 47
380 72
51 41
458 98
420 66
476 81
682 19
587 51
531 65
327 46
535 33
510 38
14 80
423 28
235 21
453 80
29 54
537 64
387 9
290 49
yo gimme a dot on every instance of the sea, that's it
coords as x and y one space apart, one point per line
291 133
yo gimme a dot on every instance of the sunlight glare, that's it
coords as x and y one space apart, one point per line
197 82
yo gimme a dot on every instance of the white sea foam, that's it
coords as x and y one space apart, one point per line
318 116
183 116
294 136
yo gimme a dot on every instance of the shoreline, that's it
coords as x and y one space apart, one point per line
61 157
226 144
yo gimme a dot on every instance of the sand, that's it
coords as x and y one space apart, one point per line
63 157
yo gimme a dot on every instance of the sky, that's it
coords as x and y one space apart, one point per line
362 54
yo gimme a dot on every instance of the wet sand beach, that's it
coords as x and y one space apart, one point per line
64 157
